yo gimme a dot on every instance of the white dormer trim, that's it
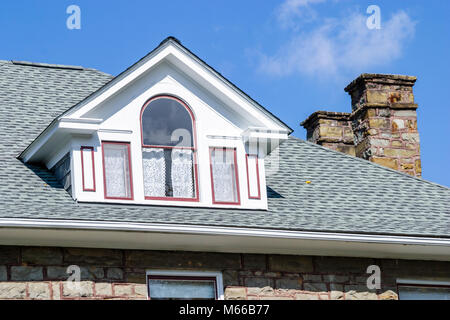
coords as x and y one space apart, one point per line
61 127
264 140
225 119
81 120
181 57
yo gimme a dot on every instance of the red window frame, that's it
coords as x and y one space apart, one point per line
82 167
187 278
211 149
194 148
129 163
258 197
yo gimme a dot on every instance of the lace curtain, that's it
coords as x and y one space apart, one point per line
224 178
154 166
168 173
117 173
181 173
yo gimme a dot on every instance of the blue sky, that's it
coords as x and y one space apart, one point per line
292 56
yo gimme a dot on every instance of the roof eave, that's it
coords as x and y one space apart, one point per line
58 125
218 239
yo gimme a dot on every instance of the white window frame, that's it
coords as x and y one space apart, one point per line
187 274
421 283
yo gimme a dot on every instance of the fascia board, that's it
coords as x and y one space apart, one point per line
118 83
262 129
81 120
219 86
265 135
234 88
67 125
37 144
77 127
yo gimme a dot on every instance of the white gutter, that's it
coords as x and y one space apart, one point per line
121 235
210 230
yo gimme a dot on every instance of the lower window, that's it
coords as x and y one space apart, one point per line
423 292
169 173
179 285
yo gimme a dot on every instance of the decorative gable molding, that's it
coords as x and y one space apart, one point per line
171 50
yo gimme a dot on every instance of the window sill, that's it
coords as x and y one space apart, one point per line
192 203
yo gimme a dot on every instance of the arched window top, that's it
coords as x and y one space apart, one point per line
167 121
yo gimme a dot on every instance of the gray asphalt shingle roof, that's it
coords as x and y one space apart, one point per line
346 194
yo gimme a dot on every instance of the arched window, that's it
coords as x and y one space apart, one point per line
168 150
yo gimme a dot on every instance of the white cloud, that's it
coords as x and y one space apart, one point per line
340 46
289 12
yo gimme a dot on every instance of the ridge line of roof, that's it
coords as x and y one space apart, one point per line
47 65
369 162
51 66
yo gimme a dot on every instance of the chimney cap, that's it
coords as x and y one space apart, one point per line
381 78
324 115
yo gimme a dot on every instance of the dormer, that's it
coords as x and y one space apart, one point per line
168 131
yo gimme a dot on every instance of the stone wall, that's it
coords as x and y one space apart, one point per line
268 293
40 273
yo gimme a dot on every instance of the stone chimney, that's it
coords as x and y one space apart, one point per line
331 129
383 123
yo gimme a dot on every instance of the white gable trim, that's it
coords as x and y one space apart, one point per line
172 51
185 60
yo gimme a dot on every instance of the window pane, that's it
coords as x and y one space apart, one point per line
224 175
168 172
117 170
182 173
154 165
166 122
88 166
253 178
182 289
423 293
